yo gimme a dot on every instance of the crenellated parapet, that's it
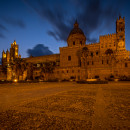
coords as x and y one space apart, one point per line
92 43
108 42
108 36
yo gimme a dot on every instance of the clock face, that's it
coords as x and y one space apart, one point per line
121 43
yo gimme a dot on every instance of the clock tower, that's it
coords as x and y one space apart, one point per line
120 32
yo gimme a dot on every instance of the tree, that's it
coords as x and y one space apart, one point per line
29 67
18 67
47 69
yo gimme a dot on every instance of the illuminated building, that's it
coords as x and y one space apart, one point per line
78 60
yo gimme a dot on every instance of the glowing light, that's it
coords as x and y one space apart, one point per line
4 55
15 80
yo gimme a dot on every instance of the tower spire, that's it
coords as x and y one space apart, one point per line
120 15
76 25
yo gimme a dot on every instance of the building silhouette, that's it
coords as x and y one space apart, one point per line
77 61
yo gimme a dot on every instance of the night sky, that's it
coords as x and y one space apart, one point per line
40 27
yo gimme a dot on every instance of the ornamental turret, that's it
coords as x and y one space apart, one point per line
14 50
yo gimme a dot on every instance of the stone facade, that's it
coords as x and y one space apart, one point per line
103 59
78 60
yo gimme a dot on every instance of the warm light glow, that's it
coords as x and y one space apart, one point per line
4 55
15 80
14 43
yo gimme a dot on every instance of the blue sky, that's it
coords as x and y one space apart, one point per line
47 23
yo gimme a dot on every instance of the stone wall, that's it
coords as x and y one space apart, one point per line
108 42
69 57
40 59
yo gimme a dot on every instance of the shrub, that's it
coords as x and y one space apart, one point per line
92 82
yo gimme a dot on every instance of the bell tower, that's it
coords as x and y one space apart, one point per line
120 32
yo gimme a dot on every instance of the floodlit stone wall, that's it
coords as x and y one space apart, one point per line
78 60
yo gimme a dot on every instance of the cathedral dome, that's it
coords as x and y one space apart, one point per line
76 29
76 36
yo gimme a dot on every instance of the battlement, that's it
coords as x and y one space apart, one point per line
93 43
108 36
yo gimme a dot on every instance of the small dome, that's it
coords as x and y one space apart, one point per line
76 36
76 29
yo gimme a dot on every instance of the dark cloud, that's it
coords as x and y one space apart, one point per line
2 35
53 34
2 27
54 15
11 21
91 14
14 22
95 15
39 50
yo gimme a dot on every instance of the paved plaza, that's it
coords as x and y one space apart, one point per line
65 105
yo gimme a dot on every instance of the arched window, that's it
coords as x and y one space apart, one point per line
126 65
92 54
69 58
81 42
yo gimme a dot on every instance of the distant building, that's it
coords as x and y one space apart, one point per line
78 60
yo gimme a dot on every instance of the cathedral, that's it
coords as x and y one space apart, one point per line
76 61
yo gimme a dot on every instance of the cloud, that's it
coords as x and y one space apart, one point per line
39 50
91 14
54 15
2 35
14 22
11 21
2 27
53 34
